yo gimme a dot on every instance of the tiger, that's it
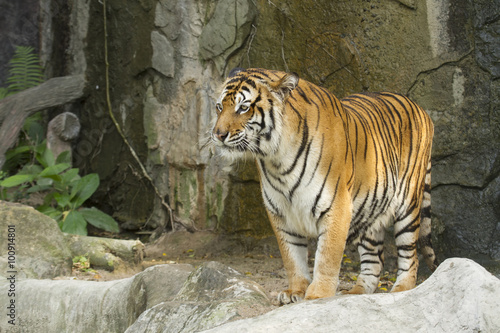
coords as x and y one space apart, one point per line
339 171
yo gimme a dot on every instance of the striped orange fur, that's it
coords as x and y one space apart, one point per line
336 170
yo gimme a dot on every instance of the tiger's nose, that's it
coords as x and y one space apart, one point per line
221 135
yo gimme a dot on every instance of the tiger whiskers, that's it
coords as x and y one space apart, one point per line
205 142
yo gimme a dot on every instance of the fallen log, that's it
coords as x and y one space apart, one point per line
16 108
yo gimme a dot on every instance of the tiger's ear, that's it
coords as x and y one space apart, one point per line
286 84
234 71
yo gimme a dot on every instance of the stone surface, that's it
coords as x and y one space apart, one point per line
460 296
40 248
163 298
61 130
163 54
86 306
487 33
212 295
226 31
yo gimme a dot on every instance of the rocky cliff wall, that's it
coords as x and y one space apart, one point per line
168 58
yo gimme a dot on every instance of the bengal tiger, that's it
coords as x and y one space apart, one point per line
337 170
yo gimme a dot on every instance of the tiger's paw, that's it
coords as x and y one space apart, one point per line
320 290
399 287
356 290
288 296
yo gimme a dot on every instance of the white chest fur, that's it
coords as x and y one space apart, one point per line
298 197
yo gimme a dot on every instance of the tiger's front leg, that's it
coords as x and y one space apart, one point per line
293 249
334 228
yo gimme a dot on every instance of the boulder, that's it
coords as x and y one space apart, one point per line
87 306
40 248
43 251
212 295
163 298
461 296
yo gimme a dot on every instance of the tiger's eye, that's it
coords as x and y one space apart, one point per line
243 109
218 106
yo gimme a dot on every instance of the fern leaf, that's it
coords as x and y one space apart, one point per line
4 92
25 71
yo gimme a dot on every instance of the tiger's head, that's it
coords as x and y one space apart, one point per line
250 111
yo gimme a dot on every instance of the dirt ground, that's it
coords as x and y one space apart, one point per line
258 259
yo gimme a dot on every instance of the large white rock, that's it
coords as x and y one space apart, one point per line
163 298
212 295
88 306
461 296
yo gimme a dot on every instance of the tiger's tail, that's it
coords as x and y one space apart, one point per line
424 238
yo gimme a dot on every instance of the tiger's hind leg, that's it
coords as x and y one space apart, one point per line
371 255
406 231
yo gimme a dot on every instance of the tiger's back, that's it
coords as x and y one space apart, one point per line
336 170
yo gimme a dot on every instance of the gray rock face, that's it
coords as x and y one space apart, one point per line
214 294
227 30
40 248
163 54
487 29
460 296
164 298
86 306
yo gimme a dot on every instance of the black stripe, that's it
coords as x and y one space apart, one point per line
303 95
406 247
410 227
372 242
296 244
331 203
297 113
318 196
303 143
313 173
299 180
251 83
315 91
292 233
273 209
266 176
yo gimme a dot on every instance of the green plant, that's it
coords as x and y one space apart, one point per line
24 71
82 264
64 191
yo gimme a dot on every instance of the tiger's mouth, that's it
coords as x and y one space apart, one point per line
231 142
241 142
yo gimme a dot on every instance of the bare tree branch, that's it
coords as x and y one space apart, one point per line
16 108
